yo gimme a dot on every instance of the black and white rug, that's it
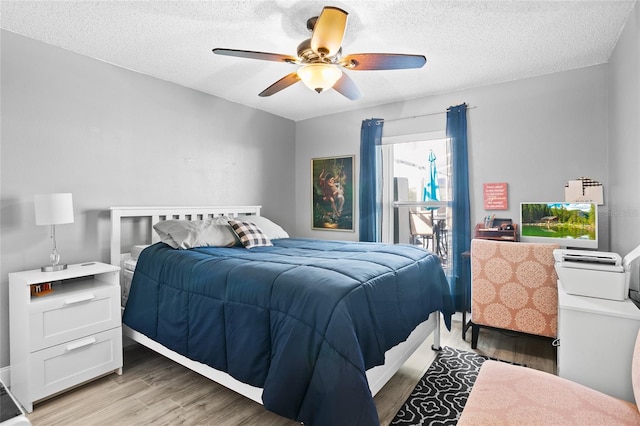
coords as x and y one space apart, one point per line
440 395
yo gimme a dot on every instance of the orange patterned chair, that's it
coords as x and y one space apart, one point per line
505 394
513 287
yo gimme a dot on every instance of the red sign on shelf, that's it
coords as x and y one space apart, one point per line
495 196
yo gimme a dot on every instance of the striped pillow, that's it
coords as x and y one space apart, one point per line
250 235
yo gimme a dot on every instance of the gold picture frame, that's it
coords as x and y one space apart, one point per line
332 192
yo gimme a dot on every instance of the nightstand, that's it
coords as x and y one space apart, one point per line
67 336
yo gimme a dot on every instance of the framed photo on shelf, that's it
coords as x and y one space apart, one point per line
332 192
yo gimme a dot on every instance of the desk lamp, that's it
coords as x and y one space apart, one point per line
53 209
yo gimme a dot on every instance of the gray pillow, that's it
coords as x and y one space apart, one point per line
186 234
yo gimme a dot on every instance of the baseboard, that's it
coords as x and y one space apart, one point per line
5 376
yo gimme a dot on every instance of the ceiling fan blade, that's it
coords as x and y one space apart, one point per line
283 83
346 87
264 56
328 31
382 61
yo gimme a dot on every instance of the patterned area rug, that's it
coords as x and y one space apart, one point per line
439 397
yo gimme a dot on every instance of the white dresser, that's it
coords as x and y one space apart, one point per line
65 337
597 337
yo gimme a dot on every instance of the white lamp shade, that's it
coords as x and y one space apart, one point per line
53 209
319 77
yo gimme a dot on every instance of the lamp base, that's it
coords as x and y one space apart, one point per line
53 268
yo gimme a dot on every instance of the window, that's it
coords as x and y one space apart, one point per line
407 173
411 161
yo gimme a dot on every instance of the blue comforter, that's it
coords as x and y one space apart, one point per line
303 319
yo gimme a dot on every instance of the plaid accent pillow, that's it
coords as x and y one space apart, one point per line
250 235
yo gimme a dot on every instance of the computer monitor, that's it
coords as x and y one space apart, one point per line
572 225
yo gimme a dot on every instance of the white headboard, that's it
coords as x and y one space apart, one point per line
158 214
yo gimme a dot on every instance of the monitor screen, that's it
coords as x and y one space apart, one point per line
573 225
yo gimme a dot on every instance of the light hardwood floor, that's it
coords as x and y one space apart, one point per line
156 391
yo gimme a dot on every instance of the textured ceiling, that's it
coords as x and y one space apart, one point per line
467 43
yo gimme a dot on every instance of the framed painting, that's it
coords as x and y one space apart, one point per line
332 193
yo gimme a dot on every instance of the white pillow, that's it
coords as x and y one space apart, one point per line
185 234
271 229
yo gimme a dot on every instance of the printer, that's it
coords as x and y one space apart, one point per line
594 273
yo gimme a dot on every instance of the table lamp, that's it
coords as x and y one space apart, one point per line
53 209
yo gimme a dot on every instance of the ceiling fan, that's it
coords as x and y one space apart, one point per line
322 61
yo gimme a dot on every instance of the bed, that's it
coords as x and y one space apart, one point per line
312 329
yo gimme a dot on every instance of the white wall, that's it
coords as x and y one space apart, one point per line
534 134
624 137
113 137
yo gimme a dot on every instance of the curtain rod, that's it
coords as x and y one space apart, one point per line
417 116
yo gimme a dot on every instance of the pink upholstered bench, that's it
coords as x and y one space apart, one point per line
504 394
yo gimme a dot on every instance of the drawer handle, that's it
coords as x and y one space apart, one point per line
81 298
81 343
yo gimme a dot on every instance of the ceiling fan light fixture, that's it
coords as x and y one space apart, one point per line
319 77
322 61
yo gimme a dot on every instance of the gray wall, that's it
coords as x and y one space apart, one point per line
113 137
624 138
534 134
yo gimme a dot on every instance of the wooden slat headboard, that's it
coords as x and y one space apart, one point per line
158 214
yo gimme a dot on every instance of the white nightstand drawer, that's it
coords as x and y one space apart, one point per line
67 315
57 368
